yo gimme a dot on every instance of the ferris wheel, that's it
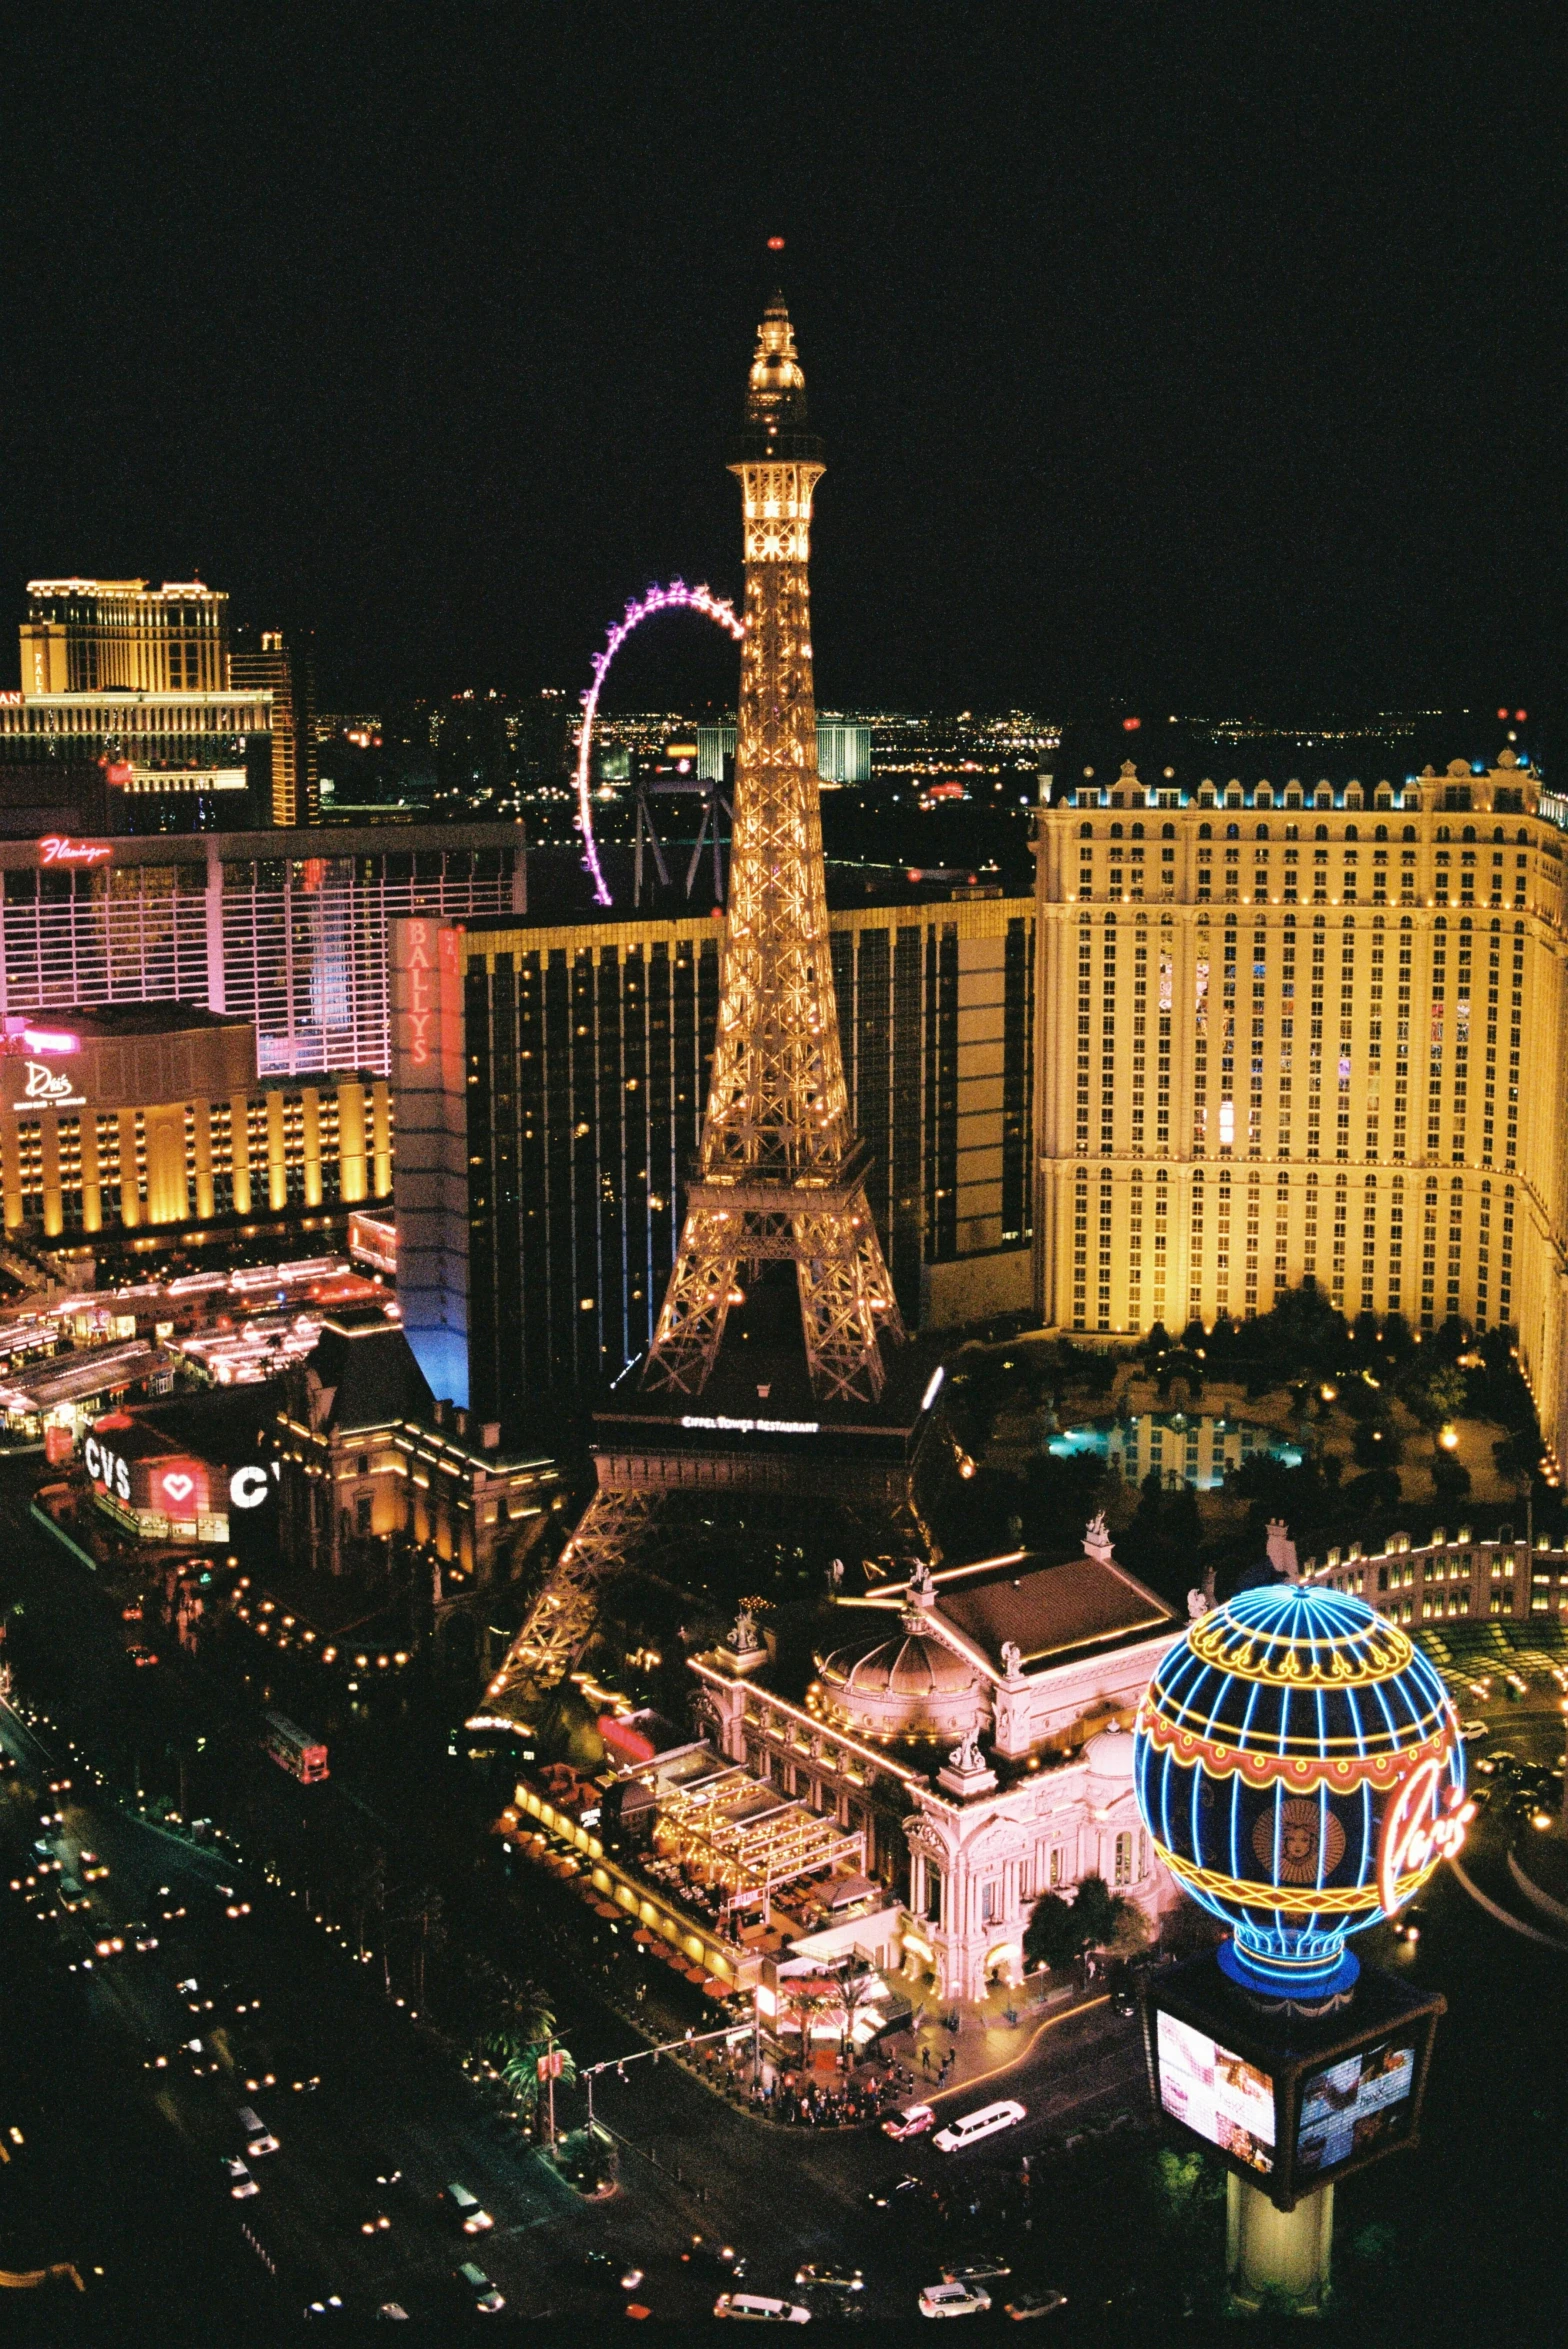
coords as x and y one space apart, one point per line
676 596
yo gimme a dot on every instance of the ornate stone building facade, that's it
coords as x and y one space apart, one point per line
972 1723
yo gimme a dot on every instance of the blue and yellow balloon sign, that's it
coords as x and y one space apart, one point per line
1299 1767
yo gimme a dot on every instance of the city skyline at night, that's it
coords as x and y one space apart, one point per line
783 1347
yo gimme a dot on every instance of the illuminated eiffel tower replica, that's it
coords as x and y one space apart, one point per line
825 1410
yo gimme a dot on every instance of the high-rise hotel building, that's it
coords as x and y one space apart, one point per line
135 715
549 1083
1292 1030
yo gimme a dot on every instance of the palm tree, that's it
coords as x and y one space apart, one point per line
522 2016
520 2073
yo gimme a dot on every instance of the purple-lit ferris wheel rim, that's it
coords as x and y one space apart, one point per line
675 597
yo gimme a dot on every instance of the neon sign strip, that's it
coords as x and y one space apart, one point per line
59 850
676 597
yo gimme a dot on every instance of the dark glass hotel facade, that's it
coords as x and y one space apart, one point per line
538 1221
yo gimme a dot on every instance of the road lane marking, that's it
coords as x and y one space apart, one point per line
1495 1909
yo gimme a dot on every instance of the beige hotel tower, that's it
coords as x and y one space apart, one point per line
1298 1029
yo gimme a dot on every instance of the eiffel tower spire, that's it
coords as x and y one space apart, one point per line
780 1174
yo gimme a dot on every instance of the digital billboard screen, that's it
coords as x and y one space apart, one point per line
1216 2093
1355 2105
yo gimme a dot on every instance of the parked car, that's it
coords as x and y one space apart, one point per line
954 2300
978 2270
758 2309
913 2120
241 2184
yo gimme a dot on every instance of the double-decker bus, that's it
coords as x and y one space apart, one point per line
294 1749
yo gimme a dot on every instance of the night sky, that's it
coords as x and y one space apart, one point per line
1161 352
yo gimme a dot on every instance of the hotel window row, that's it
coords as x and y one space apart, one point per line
1290 1045
65 1174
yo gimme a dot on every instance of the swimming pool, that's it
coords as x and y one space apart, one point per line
1195 1448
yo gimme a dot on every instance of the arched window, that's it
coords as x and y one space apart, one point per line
1351 833
1233 831
1205 831
1261 832
1522 839
1320 831
1168 831
1381 832
1137 831
1408 833
1468 833
1086 831
1116 831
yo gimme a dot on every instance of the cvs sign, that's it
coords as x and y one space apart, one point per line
107 1467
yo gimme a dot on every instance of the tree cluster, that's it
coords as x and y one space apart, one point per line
1060 1931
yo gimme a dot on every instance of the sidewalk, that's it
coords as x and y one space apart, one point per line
986 2043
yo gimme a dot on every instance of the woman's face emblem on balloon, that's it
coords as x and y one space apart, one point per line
1300 1834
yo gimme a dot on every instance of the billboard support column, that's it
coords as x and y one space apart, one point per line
1277 2260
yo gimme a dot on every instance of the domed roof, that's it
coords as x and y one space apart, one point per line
910 1664
1111 1752
907 1684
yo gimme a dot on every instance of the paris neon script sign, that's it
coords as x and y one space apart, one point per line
1412 1841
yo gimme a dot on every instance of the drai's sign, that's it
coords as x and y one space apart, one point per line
51 1088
